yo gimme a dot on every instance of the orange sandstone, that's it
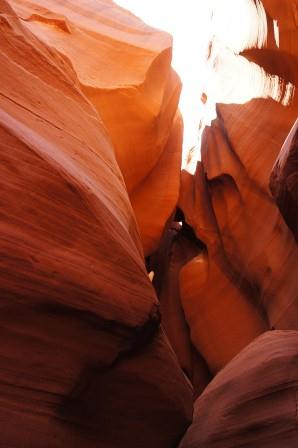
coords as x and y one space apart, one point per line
123 67
83 354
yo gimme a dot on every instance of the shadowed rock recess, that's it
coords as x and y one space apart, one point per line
92 353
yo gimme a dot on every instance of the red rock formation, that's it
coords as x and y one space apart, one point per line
177 248
247 279
82 355
123 67
91 147
252 402
287 22
284 180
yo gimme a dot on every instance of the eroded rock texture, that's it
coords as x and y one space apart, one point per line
179 245
82 355
90 178
123 67
246 279
252 402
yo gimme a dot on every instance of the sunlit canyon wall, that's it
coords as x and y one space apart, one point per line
92 354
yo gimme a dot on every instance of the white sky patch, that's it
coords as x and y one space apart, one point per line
276 32
232 26
189 24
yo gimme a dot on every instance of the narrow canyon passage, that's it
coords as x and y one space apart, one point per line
149 260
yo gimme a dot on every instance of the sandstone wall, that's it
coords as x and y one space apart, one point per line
82 354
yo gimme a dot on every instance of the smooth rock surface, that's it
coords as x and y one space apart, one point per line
82 354
90 142
247 279
253 401
177 248
123 67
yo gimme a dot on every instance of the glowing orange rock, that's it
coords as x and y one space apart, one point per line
176 249
222 321
215 297
286 22
123 67
252 401
84 355
247 279
153 200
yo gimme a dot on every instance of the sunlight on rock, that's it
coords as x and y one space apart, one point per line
208 39
190 25
234 79
144 305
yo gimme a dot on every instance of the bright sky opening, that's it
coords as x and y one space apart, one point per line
189 24
232 26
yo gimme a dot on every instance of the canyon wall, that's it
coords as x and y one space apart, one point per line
82 352
235 275
245 280
92 195
252 401
123 67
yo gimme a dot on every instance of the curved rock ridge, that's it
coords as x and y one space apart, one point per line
178 246
90 179
252 402
284 180
123 67
246 280
82 353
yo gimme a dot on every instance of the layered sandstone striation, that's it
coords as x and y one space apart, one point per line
123 67
252 402
246 279
90 185
82 354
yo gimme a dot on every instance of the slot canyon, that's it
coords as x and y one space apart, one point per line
149 290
